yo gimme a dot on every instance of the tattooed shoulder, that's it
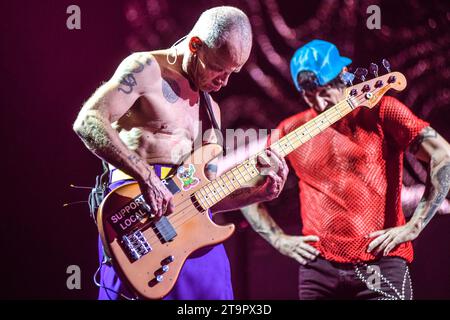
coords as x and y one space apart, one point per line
427 133
134 64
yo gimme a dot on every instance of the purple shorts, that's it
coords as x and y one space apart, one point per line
205 275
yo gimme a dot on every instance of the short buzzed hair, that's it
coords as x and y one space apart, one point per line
214 26
308 81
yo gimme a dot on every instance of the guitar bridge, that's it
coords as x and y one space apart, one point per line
135 245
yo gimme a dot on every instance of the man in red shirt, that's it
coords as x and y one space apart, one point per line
356 243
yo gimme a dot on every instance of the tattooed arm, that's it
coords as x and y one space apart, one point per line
295 247
431 148
411 196
107 105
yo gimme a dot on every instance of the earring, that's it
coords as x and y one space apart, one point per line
175 54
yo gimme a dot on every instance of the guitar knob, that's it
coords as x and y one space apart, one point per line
386 65
162 270
167 260
373 69
353 92
361 73
366 88
158 279
392 79
378 84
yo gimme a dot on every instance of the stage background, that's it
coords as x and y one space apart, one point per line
48 71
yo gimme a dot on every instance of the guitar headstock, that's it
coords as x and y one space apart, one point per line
368 93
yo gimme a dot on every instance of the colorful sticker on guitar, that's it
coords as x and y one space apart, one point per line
186 176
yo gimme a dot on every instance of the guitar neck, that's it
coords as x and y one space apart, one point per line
309 130
242 174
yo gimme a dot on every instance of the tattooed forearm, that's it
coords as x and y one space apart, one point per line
135 159
98 135
427 133
437 188
442 186
430 147
262 222
92 131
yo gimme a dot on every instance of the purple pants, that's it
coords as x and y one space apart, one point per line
205 275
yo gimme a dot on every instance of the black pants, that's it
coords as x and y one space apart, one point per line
386 278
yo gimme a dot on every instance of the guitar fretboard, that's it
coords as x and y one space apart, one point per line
242 174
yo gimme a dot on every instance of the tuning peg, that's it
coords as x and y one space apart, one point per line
361 73
347 78
373 69
386 65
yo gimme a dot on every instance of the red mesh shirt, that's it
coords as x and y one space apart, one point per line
350 178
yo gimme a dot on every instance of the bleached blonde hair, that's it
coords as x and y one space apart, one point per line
215 25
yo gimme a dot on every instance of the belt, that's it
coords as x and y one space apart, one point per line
161 170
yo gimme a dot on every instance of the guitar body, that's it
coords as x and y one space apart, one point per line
147 253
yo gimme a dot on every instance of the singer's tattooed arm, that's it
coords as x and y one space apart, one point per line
296 247
262 222
432 148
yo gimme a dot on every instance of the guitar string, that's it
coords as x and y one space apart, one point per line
196 211
204 198
234 176
180 214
